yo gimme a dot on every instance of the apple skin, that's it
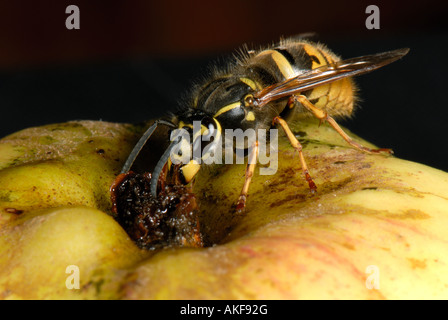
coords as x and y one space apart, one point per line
370 210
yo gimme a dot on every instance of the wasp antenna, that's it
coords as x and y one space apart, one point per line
159 167
138 147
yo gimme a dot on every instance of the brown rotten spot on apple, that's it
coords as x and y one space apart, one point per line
169 219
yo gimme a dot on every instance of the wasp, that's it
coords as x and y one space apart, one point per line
262 90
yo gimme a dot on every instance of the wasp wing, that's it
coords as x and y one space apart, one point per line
326 74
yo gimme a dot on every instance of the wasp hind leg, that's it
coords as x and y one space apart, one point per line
250 169
323 116
296 145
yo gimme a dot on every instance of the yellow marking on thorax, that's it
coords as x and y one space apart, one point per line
252 84
250 116
282 63
227 108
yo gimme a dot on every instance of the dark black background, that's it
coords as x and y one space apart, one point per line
131 60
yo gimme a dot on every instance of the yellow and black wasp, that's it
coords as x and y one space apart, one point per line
264 89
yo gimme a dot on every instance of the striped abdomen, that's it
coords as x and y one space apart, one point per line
292 58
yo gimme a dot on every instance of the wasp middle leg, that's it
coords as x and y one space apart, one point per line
296 145
323 116
250 169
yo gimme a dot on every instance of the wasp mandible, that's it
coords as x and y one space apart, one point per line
264 89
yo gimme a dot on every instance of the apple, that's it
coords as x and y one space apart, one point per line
375 229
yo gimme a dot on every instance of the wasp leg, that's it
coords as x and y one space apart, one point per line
250 169
296 145
323 116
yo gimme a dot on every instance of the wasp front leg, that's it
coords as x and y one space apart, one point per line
323 116
250 169
296 145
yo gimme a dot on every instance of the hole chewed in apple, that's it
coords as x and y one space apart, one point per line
168 220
